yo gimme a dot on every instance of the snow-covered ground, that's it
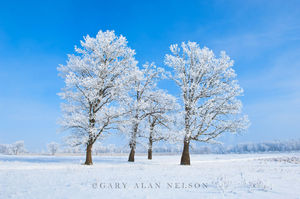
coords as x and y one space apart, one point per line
209 176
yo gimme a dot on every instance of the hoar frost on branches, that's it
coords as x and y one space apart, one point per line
15 148
209 93
159 124
96 79
52 147
138 102
105 90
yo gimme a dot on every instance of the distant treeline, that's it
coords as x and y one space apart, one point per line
271 146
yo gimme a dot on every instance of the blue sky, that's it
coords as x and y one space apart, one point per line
263 37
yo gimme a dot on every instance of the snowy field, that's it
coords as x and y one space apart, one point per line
209 176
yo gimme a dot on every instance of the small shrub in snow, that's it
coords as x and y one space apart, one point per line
255 185
223 184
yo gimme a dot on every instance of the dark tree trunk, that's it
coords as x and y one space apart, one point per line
149 154
88 160
150 141
131 155
185 157
150 147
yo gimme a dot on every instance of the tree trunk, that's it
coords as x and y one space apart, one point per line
185 157
149 154
150 147
131 155
150 141
133 144
88 160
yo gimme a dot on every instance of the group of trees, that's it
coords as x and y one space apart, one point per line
19 147
13 149
107 92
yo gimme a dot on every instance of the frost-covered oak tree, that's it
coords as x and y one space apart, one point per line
17 147
137 102
162 107
96 79
52 147
209 94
